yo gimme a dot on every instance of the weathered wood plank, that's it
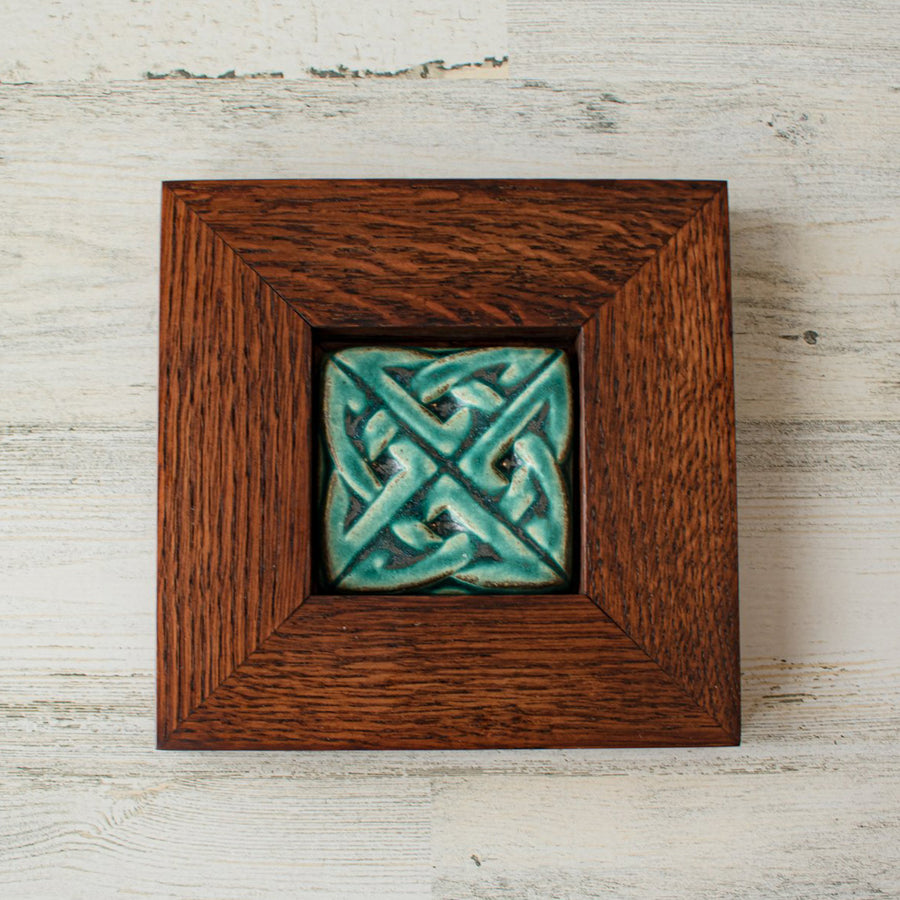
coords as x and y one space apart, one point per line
715 43
638 837
247 39
165 836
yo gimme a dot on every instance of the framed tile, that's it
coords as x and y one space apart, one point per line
564 572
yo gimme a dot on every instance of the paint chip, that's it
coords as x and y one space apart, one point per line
489 67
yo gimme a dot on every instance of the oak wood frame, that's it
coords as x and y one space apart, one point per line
634 277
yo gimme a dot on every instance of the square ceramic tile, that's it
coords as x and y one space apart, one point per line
446 471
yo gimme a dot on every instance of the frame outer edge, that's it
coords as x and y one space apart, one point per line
229 460
681 526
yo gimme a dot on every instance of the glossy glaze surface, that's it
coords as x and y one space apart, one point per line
446 471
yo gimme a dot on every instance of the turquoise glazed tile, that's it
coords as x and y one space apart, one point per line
446 471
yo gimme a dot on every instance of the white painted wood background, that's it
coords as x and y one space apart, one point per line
796 103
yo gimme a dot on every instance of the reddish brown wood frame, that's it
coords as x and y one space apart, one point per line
634 277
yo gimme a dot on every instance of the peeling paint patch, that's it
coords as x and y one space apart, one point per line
489 67
598 119
184 74
600 116
811 337
797 129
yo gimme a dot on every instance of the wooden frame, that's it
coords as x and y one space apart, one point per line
633 278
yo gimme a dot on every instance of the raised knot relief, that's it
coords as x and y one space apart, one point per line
446 471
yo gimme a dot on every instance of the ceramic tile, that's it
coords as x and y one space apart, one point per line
446 471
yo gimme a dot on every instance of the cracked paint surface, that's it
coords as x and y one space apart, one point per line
48 40
491 67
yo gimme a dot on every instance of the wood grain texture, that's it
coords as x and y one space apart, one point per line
355 254
234 460
794 104
556 240
660 527
447 672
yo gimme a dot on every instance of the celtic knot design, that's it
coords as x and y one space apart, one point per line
446 471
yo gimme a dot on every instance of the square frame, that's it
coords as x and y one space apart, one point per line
634 275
